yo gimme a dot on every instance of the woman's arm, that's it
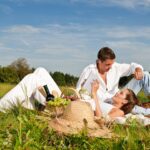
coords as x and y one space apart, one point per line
94 88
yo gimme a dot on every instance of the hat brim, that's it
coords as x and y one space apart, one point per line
69 127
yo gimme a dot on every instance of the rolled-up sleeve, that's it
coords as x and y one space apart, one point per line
127 69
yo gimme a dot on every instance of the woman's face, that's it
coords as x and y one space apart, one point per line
122 94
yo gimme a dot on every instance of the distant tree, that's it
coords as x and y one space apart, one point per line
8 75
70 80
21 67
59 78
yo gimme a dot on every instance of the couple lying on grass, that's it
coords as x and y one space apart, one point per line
29 90
100 81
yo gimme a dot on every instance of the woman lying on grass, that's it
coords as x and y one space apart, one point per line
124 102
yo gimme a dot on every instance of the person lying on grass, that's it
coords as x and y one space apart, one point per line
125 101
108 74
30 90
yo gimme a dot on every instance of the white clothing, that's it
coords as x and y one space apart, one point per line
26 92
113 75
140 110
105 107
105 92
145 121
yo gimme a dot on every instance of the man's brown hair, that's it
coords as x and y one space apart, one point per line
106 53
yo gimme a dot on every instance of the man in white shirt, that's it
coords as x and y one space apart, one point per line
108 73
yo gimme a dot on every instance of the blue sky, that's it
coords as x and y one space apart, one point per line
65 35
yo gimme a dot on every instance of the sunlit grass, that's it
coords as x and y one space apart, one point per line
142 97
4 88
22 129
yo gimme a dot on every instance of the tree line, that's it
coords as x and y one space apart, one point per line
15 72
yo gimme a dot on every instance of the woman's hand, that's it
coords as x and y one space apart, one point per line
94 87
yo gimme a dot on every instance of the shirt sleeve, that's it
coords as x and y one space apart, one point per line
84 75
127 69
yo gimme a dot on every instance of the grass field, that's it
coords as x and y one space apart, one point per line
4 88
21 129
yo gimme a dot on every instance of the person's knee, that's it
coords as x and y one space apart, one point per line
40 70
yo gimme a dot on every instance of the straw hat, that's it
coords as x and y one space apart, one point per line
78 116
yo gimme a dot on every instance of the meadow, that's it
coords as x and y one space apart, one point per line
22 129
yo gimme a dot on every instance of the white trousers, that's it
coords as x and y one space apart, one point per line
26 92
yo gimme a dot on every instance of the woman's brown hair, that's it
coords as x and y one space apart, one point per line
132 101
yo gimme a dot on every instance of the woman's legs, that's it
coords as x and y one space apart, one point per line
25 93
20 94
44 78
27 90
14 97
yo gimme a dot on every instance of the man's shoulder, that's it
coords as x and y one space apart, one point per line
115 65
91 66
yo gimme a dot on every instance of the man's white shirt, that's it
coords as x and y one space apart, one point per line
105 92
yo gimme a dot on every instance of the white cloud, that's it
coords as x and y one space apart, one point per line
73 46
129 4
122 3
128 32
23 29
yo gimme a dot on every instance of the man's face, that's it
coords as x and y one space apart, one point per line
106 65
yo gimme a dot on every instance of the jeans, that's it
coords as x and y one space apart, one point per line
137 85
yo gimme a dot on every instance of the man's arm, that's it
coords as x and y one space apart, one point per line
128 69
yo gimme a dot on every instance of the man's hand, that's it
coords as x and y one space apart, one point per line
138 74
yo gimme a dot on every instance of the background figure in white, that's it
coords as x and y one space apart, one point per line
26 92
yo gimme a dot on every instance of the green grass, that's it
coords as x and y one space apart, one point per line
4 88
142 97
22 129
